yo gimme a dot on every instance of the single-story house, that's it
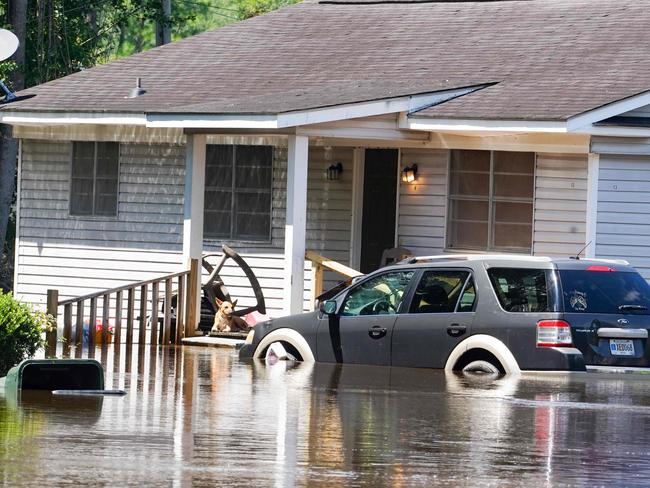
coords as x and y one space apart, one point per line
523 125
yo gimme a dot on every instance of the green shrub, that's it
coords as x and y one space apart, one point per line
20 332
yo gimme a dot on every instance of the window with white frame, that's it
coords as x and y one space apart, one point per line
238 191
491 200
94 179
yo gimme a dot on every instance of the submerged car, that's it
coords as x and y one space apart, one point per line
489 313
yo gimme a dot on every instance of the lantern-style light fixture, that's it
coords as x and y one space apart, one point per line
334 171
410 173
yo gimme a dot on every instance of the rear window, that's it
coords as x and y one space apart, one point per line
520 290
604 292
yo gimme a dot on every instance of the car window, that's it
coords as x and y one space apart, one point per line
520 290
438 291
468 298
380 295
586 291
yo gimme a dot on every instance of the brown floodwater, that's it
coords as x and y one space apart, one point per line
200 417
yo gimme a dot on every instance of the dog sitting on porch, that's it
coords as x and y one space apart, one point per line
225 321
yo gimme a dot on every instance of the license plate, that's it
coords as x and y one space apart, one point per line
621 347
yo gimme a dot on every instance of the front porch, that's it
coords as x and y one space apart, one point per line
332 216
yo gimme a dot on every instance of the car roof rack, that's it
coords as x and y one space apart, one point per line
475 257
511 257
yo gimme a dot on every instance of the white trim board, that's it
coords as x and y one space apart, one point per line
48 118
477 125
593 167
584 121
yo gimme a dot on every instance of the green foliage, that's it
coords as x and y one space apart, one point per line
20 332
251 8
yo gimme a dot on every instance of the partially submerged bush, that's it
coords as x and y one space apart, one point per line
20 332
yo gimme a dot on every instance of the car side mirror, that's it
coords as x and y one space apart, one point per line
329 307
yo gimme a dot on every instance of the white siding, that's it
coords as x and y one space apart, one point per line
623 224
79 255
422 206
82 255
621 145
560 204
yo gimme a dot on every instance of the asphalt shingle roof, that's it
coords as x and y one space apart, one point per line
551 59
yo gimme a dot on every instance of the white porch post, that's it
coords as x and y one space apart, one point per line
193 215
296 225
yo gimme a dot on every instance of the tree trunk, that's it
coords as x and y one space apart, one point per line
8 156
18 21
9 146
163 29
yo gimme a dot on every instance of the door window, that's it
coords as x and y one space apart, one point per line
468 298
381 295
438 291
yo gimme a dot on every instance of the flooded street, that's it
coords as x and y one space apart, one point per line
200 417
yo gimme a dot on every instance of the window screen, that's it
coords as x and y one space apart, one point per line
94 179
238 190
491 200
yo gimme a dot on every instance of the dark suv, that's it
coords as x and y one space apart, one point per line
476 312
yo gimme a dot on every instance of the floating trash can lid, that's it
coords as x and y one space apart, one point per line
56 374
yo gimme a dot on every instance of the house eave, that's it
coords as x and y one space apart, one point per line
262 121
482 126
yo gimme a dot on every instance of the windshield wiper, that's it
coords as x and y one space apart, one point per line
622 308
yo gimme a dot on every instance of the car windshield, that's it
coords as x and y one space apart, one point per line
614 292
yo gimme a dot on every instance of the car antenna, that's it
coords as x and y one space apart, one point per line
577 256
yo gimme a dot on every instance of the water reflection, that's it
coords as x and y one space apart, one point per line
201 417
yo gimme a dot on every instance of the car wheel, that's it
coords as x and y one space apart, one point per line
481 366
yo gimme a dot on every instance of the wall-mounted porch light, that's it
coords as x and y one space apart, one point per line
410 173
334 171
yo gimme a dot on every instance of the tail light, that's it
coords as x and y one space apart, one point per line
553 333
601 269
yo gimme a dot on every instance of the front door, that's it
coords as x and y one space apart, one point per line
379 206
439 316
362 330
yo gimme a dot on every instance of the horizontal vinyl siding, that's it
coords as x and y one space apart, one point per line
623 224
621 145
83 255
79 256
422 206
560 212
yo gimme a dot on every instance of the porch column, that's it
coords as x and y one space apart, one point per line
193 217
296 225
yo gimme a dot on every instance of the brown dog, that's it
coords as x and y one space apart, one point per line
225 321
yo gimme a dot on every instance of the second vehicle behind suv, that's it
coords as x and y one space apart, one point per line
476 312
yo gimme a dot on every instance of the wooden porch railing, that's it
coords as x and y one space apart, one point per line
319 265
149 294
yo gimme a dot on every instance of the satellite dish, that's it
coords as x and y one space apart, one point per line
8 44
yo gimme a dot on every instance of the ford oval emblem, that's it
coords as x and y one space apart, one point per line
623 321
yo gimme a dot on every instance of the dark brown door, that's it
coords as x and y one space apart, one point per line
379 206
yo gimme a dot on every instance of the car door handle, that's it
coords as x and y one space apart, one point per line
455 330
377 332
